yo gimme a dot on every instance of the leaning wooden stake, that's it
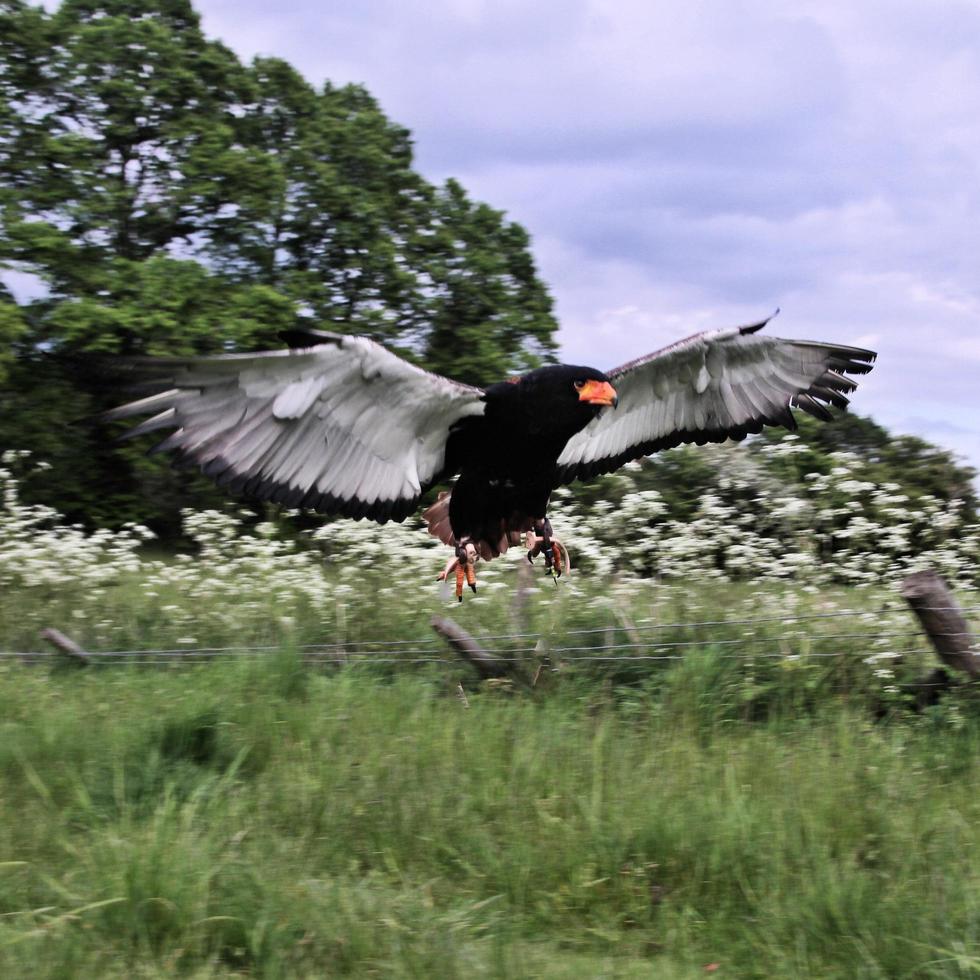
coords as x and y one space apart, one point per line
487 665
65 645
941 618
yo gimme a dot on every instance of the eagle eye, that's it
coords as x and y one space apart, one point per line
579 385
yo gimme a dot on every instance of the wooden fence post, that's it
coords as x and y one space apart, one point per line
943 620
66 645
487 665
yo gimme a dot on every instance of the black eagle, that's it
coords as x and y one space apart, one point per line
340 425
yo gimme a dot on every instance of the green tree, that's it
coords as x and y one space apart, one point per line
333 210
123 130
489 313
13 328
172 200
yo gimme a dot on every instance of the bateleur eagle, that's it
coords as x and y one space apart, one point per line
340 425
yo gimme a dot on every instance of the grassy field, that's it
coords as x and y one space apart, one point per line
708 777
262 819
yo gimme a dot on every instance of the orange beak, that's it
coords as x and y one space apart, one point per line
598 393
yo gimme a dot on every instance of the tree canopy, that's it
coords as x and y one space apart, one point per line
169 199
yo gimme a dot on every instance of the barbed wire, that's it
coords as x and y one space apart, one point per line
339 653
137 658
802 617
416 651
568 654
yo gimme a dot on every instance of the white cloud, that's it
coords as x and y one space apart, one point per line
682 165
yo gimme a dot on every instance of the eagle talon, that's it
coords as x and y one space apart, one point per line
462 565
541 541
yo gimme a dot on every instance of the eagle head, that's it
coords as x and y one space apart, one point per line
596 389
563 398
574 385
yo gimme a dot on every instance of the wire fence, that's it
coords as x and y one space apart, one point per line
623 643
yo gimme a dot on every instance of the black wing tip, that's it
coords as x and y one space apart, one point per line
853 360
756 327
263 489
856 360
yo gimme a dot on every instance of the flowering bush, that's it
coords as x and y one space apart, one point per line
832 528
37 550
243 584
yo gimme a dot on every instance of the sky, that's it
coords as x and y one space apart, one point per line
686 165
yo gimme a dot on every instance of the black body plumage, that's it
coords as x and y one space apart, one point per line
507 458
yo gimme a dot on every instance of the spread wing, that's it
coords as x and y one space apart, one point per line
343 427
717 385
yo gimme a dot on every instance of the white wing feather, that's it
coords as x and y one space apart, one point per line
344 427
717 385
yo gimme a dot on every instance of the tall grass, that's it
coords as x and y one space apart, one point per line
262 819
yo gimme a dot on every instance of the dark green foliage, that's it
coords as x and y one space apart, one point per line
171 200
680 476
13 327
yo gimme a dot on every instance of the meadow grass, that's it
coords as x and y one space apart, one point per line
756 795
262 818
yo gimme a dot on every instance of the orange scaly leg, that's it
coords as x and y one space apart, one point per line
542 542
462 563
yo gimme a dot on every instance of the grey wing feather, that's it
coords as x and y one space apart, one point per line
343 427
717 385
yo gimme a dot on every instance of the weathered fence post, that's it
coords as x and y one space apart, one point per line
65 645
487 665
943 621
